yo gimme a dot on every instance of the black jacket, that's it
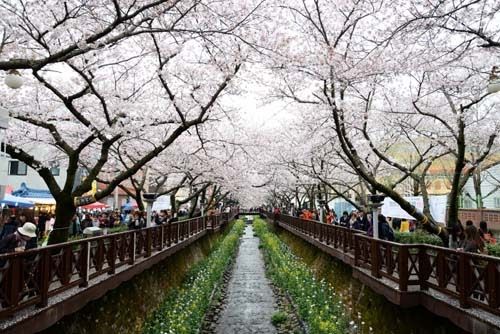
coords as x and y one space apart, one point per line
9 228
9 244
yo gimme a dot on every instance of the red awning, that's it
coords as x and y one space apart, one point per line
95 205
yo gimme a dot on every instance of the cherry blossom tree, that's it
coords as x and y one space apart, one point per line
97 88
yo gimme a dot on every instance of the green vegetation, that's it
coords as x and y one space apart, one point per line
279 318
316 301
117 229
183 310
417 237
493 250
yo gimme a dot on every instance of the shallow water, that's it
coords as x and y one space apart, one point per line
373 309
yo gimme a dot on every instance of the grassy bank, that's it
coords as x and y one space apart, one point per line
317 304
183 309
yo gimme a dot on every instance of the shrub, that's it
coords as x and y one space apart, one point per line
183 310
417 237
316 301
493 250
279 318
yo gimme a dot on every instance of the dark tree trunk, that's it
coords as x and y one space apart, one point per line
138 199
476 179
452 214
416 187
192 211
65 210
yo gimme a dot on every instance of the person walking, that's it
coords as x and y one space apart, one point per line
9 227
486 235
385 231
472 242
344 220
42 221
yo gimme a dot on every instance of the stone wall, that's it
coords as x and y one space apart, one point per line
376 311
124 309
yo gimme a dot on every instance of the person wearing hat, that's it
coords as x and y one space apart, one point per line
17 240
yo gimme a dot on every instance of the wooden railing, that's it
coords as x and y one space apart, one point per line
472 279
32 277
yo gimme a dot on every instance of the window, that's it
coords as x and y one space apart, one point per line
497 202
55 171
17 168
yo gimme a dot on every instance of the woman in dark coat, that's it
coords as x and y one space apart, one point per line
9 227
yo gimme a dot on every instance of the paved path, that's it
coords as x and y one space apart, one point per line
250 300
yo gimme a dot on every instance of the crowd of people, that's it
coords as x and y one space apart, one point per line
24 231
470 239
133 219
358 220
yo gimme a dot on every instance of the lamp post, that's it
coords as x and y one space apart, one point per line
202 205
322 203
4 125
494 82
375 201
149 198
13 79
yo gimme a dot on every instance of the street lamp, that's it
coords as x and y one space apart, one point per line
202 205
494 83
149 198
375 201
13 79
322 204
4 125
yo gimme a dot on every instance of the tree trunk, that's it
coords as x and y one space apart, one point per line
138 199
476 179
65 210
416 187
452 214
192 210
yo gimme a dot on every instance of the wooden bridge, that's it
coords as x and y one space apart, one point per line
460 286
39 287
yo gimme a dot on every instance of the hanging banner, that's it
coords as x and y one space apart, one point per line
392 209
437 206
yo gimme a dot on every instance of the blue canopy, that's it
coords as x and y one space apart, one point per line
17 202
24 191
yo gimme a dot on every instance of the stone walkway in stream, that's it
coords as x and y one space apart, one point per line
250 301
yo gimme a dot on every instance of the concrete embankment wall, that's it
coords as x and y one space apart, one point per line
124 309
376 311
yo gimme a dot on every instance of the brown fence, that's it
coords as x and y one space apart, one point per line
32 277
471 279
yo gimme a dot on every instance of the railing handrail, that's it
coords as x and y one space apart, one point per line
363 234
33 276
470 278
97 238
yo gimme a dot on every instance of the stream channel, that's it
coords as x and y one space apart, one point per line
376 311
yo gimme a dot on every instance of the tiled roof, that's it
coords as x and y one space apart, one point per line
24 191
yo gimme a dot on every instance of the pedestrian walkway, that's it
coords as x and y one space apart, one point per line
250 300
